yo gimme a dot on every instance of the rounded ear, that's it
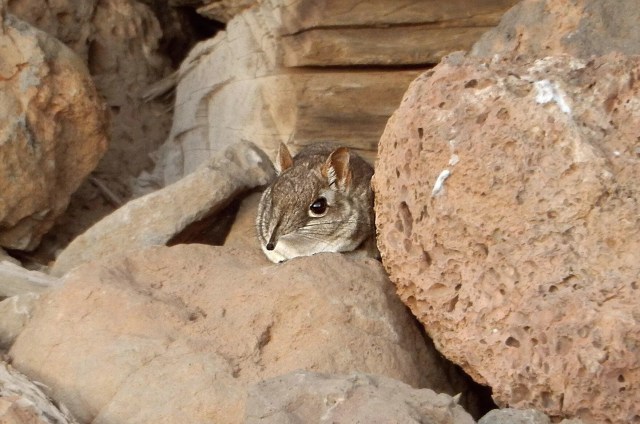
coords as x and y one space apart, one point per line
337 170
284 160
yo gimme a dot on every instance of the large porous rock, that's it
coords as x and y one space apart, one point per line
317 71
184 330
53 131
581 28
507 204
307 397
154 219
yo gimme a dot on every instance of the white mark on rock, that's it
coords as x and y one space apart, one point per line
439 185
332 403
547 91
253 157
616 153
454 159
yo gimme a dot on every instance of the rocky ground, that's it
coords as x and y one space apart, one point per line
136 139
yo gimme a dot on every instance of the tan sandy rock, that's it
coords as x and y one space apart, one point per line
4 256
119 41
124 60
154 219
23 402
19 290
307 397
243 232
387 32
514 416
508 212
184 330
520 416
15 312
317 71
52 135
14 280
582 28
124 45
67 20
224 10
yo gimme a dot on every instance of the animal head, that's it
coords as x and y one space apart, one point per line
316 204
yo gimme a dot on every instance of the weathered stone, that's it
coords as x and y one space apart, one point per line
306 15
67 20
14 280
126 46
243 233
520 416
509 218
184 330
119 40
388 32
52 135
514 416
124 60
582 28
224 10
305 397
225 95
23 402
156 218
301 108
4 257
15 312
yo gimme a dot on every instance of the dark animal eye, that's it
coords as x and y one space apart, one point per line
319 206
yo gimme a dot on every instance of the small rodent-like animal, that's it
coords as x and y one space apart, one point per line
321 201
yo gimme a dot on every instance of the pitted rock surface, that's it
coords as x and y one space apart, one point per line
509 218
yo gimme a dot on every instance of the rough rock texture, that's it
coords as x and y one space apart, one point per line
14 280
19 291
582 28
52 134
23 402
67 20
509 218
223 10
126 49
156 218
388 32
520 416
119 40
305 397
317 71
15 312
515 416
243 232
4 257
167 328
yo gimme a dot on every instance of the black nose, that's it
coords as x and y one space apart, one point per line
270 246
